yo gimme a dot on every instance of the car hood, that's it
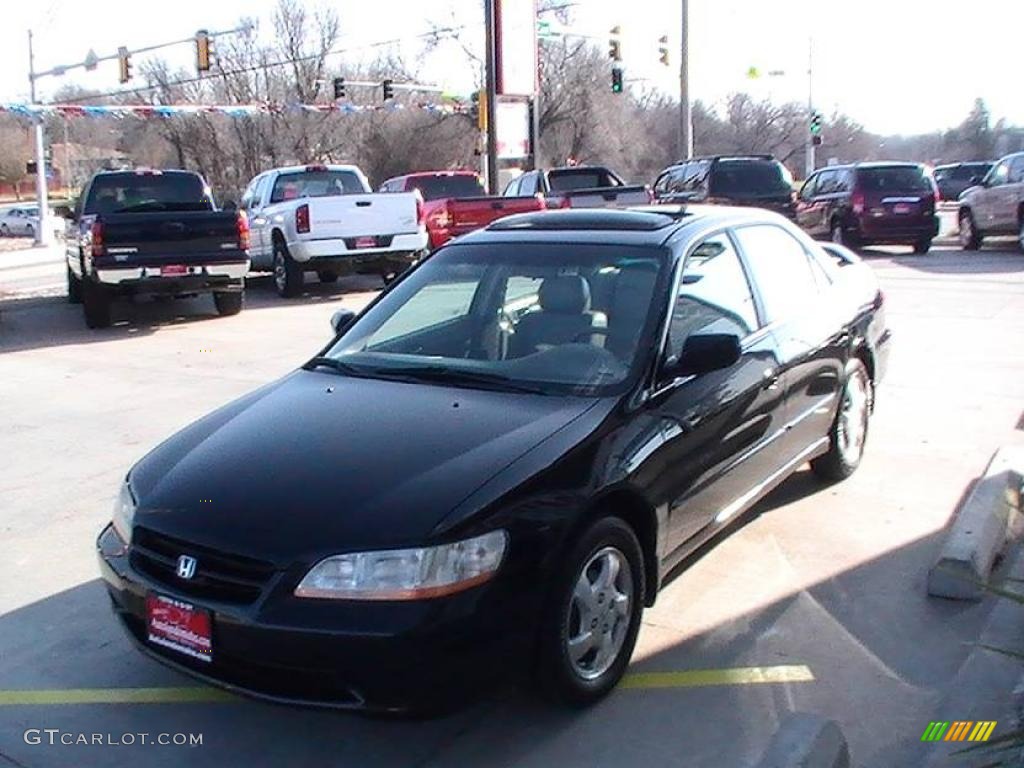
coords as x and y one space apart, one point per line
318 463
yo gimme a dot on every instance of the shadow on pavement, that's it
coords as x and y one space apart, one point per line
881 652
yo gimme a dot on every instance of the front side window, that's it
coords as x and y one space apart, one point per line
780 269
999 175
569 318
1017 170
713 297
810 188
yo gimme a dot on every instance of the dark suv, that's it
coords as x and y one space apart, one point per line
757 180
871 203
953 179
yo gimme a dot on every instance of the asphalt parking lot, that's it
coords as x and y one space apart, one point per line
816 603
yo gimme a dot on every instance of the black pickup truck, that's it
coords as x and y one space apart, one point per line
146 232
579 186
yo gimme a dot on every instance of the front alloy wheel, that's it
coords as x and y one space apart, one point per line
599 613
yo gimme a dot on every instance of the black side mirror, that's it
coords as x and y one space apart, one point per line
706 352
341 320
230 206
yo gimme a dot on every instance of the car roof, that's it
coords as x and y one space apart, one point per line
716 158
434 174
319 166
147 172
650 225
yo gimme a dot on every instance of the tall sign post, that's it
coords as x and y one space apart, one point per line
42 232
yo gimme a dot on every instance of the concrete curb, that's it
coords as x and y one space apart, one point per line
806 741
989 517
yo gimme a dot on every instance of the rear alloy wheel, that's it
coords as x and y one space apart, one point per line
96 303
74 288
5 231
922 246
228 303
850 429
970 239
590 625
327 277
288 276
30 231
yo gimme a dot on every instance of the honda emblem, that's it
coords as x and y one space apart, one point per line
186 567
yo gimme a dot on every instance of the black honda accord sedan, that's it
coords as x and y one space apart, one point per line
495 464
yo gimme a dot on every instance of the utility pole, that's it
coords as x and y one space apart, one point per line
809 163
491 65
42 233
685 107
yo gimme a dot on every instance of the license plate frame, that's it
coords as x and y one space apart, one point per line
179 626
366 241
902 209
173 270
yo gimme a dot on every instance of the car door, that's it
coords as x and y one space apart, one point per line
262 250
988 202
1014 194
714 426
807 326
806 214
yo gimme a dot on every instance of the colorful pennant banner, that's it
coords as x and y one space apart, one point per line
231 110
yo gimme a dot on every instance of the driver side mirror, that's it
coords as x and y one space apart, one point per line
341 320
704 353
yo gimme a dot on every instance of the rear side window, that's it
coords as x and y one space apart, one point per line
139 192
748 177
440 187
897 178
326 183
567 181
781 269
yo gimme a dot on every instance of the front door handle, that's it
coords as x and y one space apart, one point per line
770 378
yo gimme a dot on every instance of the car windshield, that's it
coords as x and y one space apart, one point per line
326 183
441 187
747 178
897 178
554 318
147 191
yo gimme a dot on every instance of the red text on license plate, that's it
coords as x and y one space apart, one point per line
173 269
179 626
366 242
901 208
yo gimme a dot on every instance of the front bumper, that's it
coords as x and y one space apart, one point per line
422 656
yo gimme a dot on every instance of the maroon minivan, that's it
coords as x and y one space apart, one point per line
871 203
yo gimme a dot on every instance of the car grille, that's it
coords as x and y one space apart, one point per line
219 576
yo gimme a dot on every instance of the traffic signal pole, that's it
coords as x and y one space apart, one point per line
809 163
42 236
491 65
685 105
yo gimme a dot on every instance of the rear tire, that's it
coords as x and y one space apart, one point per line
970 238
839 236
589 626
327 277
922 246
74 288
96 304
228 303
849 431
288 277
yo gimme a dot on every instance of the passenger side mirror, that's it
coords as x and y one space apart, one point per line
341 320
704 353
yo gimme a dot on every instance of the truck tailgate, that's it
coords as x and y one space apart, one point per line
371 214
470 213
606 197
177 235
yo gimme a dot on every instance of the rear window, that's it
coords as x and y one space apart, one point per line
901 178
292 186
139 192
742 178
440 187
567 181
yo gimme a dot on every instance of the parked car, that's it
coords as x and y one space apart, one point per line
578 186
758 180
953 179
147 232
19 221
996 205
871 203
326 219
494 466
455 202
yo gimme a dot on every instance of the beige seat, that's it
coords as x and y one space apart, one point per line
564 317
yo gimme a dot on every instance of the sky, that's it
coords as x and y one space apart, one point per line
895 66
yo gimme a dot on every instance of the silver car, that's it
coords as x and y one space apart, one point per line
996 205
19 221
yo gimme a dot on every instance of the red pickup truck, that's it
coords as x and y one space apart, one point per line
455 202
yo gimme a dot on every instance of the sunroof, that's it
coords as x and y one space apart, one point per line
602 220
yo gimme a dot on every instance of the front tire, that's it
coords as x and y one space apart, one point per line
96 304
849 430
970 238
74 288
228 303
288 277
590 624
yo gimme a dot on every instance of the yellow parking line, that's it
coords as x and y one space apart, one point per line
697 678
191 694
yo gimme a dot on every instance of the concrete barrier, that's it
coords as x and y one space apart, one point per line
989 517
806 741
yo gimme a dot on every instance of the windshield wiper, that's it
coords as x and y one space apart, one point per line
456 376
336 365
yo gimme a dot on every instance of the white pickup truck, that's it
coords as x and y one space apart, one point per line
325 219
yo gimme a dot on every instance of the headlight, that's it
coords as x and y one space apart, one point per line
124 513
406 574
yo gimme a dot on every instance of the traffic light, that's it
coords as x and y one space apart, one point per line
616 80
615 44
124 64
816 121
204 50
388 88
339 88
478 109
663 50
